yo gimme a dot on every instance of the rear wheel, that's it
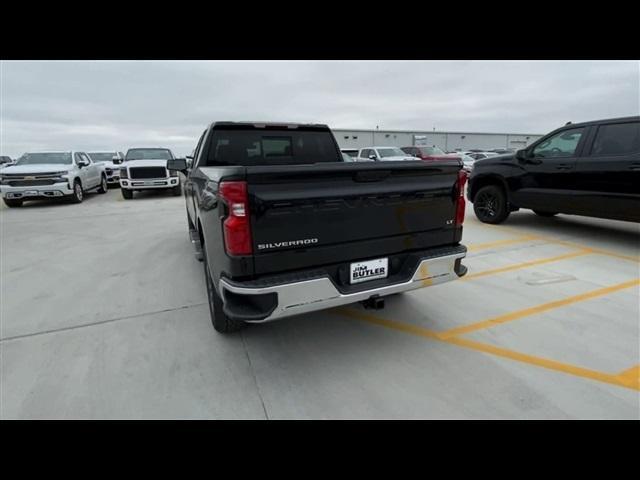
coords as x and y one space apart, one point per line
12 202
104 186
545 214
221 323
126 193
490 205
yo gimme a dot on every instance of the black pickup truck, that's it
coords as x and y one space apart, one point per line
285 227
589 169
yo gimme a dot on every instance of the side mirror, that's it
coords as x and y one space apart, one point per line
189 159
116 160
524 156
372 157
521 155
83 163
178 164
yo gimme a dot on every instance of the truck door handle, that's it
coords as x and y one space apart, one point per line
563 166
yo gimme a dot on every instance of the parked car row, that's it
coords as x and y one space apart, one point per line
591 168
430 154
70 174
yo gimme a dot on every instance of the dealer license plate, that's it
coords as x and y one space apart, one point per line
369 270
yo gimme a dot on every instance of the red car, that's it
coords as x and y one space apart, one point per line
428 153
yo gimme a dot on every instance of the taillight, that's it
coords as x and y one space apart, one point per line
237 232
460 203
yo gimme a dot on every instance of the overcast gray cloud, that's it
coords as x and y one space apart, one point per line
116 105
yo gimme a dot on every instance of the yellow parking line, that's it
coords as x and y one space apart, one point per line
499 243
517 266
633 258
542 362
620 380
537 309
631 377
403 327
594 250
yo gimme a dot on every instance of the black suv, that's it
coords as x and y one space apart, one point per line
590 169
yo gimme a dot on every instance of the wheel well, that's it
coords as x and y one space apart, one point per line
485 181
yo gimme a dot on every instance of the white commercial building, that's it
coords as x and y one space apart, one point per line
447 141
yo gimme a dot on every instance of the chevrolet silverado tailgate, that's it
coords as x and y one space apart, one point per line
310 215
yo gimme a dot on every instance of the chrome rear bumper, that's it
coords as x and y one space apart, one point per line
320 293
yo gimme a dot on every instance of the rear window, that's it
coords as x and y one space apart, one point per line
271 147
617 139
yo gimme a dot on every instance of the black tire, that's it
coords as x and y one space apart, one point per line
126 193
221 323
177 190
12 202
490 205
545 214
78 193
104 186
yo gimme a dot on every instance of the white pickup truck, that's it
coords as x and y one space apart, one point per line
51 175
5 161
378 154
112 162
146 169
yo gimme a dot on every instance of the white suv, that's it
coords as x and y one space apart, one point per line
51 175
146 169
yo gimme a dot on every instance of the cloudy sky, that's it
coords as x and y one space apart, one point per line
116 105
